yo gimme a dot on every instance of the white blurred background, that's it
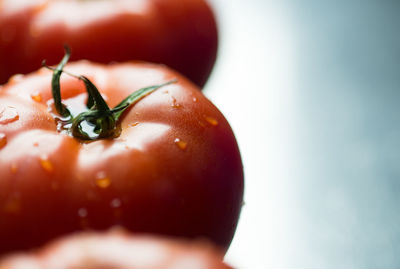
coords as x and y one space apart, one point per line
312 91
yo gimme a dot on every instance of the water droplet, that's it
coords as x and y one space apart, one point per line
89 129
37 97
3 140
102 181
14 168
36 144
8 114
46 164
181 144
194 99
115 203
175 103
82 212
211 121
83 220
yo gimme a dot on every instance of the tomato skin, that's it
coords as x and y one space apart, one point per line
175 169
118 251
179 33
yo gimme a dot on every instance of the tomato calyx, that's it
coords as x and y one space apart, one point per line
98 121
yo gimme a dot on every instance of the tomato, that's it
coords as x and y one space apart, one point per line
179 33
171 167
118 251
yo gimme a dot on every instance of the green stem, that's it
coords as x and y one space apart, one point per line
95 96
135 97
55 84
99 121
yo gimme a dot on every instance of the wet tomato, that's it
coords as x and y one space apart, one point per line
179 33
166 164
118 251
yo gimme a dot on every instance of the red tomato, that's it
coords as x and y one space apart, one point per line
118 251
179 33
174 168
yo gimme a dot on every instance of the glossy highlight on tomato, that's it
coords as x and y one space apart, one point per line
181 34
173 169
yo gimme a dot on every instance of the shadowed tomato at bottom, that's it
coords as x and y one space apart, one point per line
118 250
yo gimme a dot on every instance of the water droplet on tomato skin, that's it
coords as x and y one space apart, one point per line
82 212
174 103
181 144
3 140
46 164
102 181
37 97
115 203
83 218
202 124
14 168
211 120
8 114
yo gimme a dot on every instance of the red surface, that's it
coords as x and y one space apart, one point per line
52 184
179 33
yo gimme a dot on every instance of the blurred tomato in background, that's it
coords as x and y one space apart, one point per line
179 33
